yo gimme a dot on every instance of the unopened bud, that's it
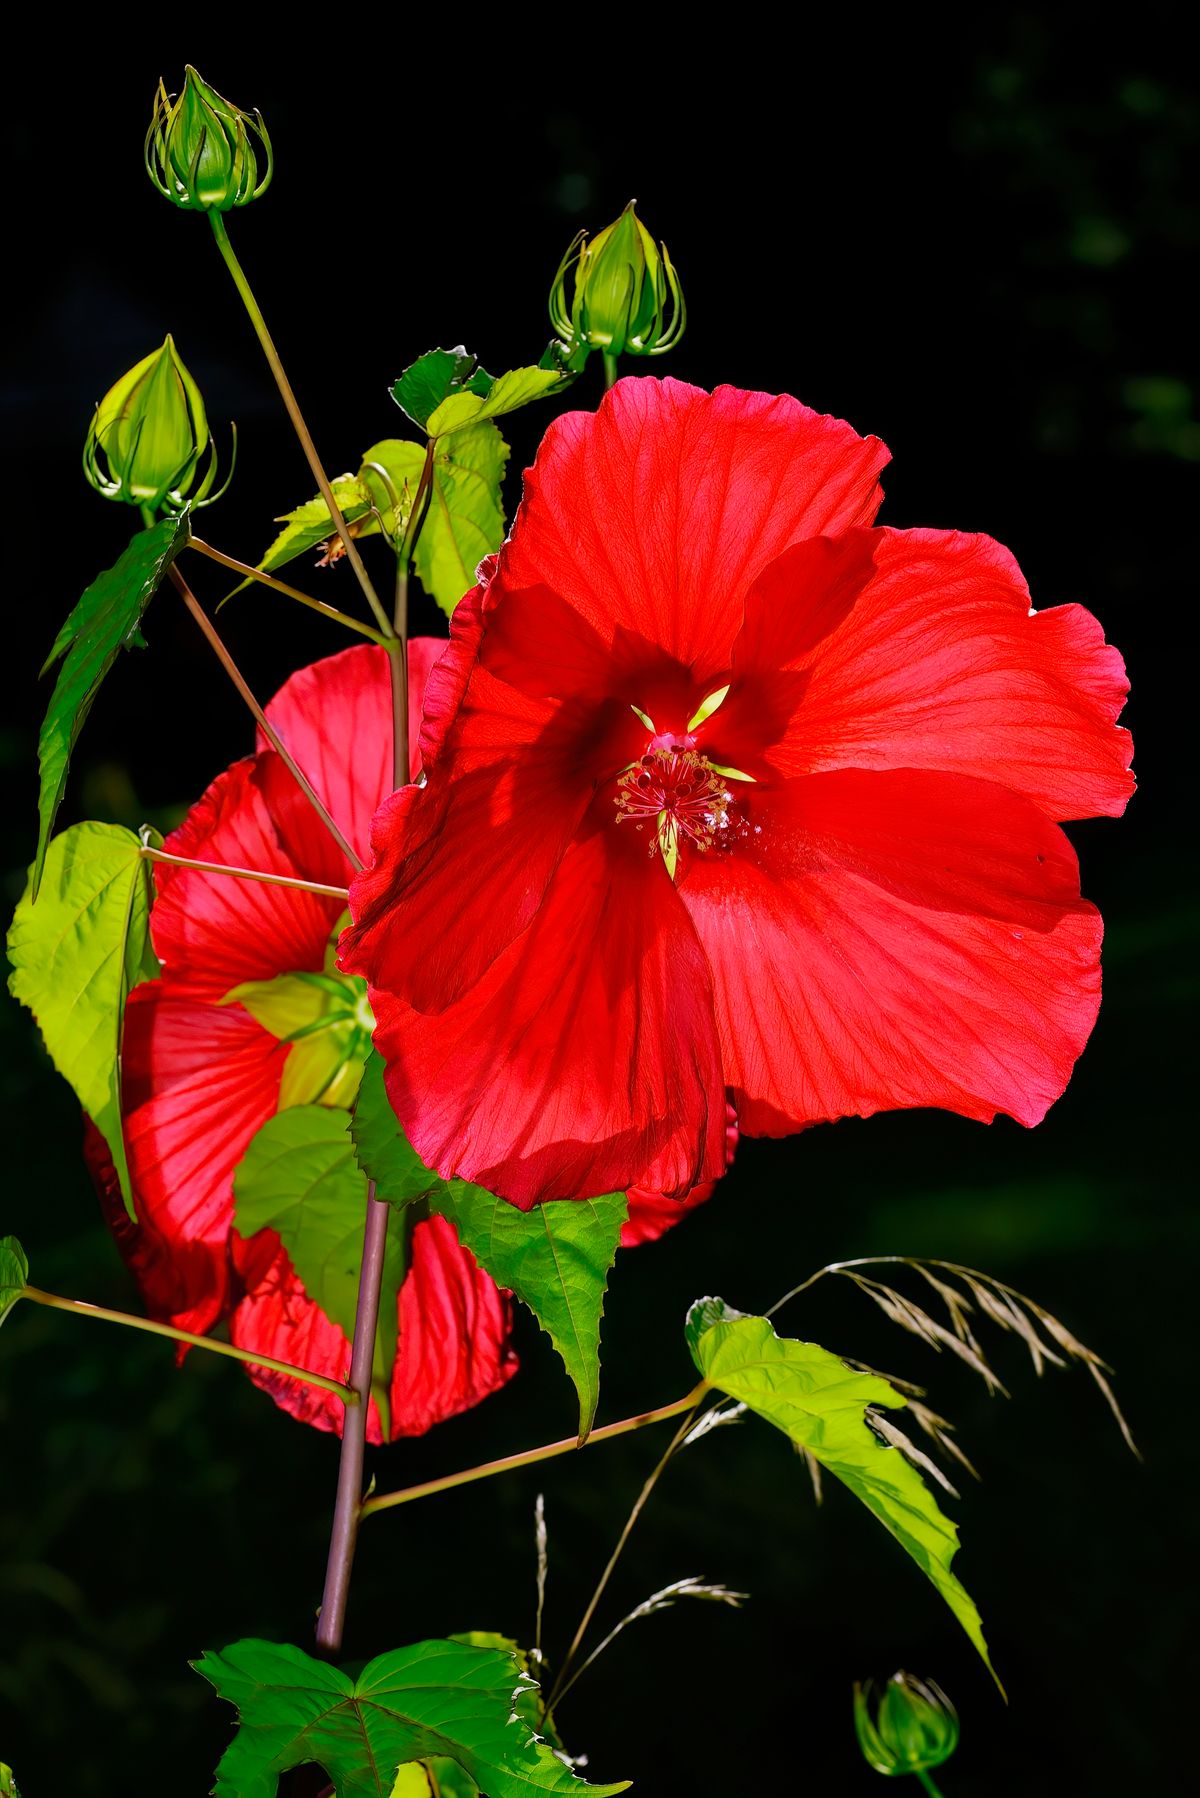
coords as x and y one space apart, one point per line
149 435
202 152
908 1727
626 297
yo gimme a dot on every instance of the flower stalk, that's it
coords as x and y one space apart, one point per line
304 599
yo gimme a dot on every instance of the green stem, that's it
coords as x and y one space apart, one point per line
305 599
268 729
610 368
275 880
217 221
933 1790
564 1680
346 1393
384 1501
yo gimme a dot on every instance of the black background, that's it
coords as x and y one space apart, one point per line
980 247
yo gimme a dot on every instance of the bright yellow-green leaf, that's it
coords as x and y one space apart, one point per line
76 951
426 382
507 392
299 1177
311 524
820 1403
465 519
105 621
433 1698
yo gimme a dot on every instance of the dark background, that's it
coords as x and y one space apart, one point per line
981 248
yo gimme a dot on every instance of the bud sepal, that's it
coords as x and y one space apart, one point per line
149 435
626 297
202 152
908 1727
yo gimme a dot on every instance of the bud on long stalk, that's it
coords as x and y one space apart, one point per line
909 1727
626 299
201 150
149 436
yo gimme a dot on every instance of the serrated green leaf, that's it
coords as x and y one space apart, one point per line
465 519
507 392
76 952
433 1698
299 1177
383 1151
311 524
555 1258
14 1273
105 620
426 382
820 1402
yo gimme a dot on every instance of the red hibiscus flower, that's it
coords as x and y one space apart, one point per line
204 1071
727 791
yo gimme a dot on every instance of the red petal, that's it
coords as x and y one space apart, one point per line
211 931
454 1329
199 1081
585 1059
897 939
652 1214
918 649
335 718
455 1326
654 514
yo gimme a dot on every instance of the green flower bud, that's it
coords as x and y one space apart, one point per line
909 1727
200 150
149 435
627 297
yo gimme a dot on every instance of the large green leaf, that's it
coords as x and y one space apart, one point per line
426 382
507 392
820 1403
76 952
465 518
556 1258
106 620
300 1177
14 1272
434 1698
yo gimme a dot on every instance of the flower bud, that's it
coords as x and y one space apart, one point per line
148 437
200 150
627 297
909 1727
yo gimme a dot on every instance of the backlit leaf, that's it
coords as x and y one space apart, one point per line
434 1698
76 952
14 1272
425 383
300 1177
506 393
465 519
311 524
820 1402
106 620
555 1258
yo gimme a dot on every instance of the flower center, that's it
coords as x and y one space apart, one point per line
683 794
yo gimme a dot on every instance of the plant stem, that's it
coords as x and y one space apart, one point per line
926 1781
217 221
305 599
347 1509
563 1680
275 880
347 1394
610 369
528 1457
268 729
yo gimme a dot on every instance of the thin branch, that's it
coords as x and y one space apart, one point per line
82 1309
275 880
305 599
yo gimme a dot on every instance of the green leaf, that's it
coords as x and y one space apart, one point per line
556 1258
76 953
14 1273
106 620
507 392
433 1698
426 382
819 1402
465 519
8 1785
311 524
299 1177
